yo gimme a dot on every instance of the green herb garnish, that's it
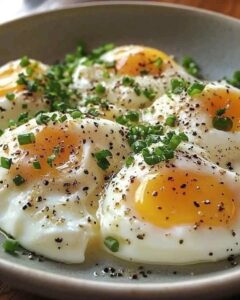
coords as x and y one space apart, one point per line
11 246
5 162
171 120
191 66
76 114
18 180
158 62
101 158
42 118
24 62
26 138
129 161
178 85
195 89
149 93
36 165
111 243
53 156
10 96
128 81
235 81
222 123
100 89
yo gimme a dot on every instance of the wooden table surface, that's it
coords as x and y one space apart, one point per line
228 7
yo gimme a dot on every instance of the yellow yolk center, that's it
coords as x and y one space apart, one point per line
9 76
48 140
177 197
146 60
223 100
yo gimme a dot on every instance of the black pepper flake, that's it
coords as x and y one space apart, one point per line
140 236
58 240
133 277
196 204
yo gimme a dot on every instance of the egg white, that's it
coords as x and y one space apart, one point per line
60 224
141 241
223 146
123 98
23 101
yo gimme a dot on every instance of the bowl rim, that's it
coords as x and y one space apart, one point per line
19 275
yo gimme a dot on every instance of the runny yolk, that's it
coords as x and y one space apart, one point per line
223 100
47 141
8 79
9 76
145 61
178 197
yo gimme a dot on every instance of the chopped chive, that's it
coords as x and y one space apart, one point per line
1 132
12 123
93 112
195 89
100 89
18 180
101 158
191 66
10 96
121 120
235 81
137 90
95 100
22 80
36 165
106 74
128 81
138 146
149 93
222 123
53 156
61 106
221 111
158 62
5 162
111 243
32 86
29 71
151 158
51 159
76 114
132 116
10 246
171 120
24 62
62 119
42 119
178 86
23 118
54 117
26 138
129 161
110 64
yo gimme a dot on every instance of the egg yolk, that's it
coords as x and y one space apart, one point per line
230 102
145 61
65 144
9 76
176 197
